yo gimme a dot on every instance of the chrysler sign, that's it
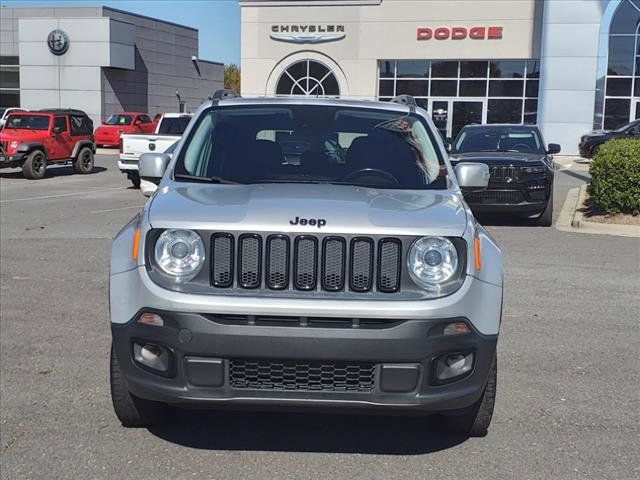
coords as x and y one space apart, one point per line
460 33
305 33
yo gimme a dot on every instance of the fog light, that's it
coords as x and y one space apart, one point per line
152 356
456 328
453 365
148 318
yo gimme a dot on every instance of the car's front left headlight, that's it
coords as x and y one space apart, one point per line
435 265
179 254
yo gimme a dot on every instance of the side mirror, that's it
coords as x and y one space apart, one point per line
472 175
57 130
138 122
448 144
553 148
152 167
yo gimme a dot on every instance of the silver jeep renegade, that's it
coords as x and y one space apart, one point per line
302 252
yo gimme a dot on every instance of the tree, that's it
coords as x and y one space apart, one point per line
232 77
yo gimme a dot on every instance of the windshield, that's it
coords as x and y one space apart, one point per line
312 144
31 122
174 125
118 119
498 139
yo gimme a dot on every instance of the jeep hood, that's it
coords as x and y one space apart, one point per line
22 135
272 207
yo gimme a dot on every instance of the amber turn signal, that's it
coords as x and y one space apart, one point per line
136 244
476 250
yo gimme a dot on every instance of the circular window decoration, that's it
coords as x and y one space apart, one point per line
308 77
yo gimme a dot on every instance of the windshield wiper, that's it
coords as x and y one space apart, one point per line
196 178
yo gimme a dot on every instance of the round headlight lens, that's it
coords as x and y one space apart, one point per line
180 253
432 261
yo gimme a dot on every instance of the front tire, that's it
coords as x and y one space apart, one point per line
475 421
134 176
546 217
35 165
84 161
131 410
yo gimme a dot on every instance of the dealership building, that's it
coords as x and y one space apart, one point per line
569 66
101 60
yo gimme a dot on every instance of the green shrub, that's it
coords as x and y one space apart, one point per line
615 177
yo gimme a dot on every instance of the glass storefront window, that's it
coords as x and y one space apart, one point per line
473 88
417 88
506 88
473 69
412 68
506 69
504 111
441 69
531 111
616 112
532 88
533 69
625 20
9 77
619 87
387 68
500 91
444 88
308 77
621 57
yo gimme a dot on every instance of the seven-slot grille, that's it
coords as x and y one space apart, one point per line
301 375
305 263
504 173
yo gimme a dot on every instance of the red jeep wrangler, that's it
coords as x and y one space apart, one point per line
32 140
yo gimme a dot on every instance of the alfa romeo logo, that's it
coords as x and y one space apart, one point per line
58 42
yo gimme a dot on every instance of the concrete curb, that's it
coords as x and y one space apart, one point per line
572 220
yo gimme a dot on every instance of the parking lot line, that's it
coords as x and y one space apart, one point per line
44 197
117 209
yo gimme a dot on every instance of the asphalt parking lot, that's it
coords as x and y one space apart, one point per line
568 401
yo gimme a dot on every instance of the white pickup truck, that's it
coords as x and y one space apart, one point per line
169 130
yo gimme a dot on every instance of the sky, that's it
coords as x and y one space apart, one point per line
218 21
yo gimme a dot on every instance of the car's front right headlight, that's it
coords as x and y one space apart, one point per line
435 265
179 254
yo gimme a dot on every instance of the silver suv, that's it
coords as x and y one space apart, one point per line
307 252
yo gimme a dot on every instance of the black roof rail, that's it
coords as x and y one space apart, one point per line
62 111
406 100
224 93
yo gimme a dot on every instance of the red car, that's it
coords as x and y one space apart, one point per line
33 140
108 134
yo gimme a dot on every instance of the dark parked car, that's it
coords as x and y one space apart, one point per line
521 169
590 143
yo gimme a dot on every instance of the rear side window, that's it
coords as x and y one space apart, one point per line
60 122
173 125
81 125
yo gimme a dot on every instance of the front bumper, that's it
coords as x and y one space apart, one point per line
11 161
585 150
402 353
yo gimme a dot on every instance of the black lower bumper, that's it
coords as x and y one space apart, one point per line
11 161
210 354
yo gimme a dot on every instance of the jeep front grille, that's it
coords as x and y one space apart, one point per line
305 263
300 375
